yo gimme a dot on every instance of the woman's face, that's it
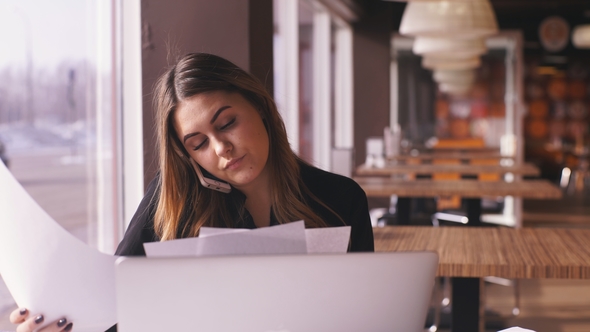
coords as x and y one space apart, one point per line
224 134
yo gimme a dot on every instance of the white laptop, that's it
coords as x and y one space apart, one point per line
276 293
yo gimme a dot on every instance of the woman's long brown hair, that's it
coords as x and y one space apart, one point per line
184 206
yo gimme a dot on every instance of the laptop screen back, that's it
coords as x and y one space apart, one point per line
276 293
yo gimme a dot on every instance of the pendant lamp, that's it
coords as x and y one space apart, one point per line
581 36
436 63
450 47
444 18
455 90
455 76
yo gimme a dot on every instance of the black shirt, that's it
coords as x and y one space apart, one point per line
344 196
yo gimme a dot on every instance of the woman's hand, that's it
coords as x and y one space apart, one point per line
29 323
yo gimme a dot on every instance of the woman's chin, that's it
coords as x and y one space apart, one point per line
242 181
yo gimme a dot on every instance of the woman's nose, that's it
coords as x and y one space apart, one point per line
222 147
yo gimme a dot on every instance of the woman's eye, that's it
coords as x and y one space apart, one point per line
200 145
227 125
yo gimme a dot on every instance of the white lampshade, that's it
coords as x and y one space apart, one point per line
455 90
455 76
456 19
450 47
581 36
436 63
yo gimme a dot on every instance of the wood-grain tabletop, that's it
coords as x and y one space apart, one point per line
461 155
495 251
465 169
385 187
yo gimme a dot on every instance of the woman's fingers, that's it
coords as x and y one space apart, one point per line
19 315
31 323
58 326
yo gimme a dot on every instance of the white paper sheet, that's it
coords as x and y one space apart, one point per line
280 239
211 231
48 270
327 240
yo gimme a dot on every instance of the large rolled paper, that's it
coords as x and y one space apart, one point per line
48 270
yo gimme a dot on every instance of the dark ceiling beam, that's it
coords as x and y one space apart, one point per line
520 7
537 3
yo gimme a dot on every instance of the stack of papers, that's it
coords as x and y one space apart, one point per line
291 238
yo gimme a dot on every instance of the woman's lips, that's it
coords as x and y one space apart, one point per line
234 163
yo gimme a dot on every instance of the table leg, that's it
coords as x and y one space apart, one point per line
473 206
403 210
465 301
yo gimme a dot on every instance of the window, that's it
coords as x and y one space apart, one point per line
313 79
61 119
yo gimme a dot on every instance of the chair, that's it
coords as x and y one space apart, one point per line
576 180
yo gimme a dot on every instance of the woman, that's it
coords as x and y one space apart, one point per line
214 115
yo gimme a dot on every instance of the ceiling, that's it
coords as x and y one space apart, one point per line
523 15
527 15
517 5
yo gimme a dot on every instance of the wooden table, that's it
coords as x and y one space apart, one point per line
459 155
471 190
463 169
469 253
385 187
495 251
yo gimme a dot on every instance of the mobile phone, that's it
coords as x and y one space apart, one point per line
208 180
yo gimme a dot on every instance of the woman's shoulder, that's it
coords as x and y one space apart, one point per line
347 201
329 186
141 226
